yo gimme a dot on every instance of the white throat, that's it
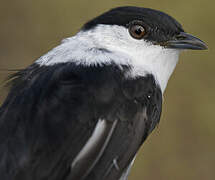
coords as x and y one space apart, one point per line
111 43
155 60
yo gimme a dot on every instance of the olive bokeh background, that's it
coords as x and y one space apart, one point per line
183 145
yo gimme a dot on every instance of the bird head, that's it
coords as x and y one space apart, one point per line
148 26
146 40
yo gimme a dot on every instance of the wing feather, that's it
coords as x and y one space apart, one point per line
60 122
93 150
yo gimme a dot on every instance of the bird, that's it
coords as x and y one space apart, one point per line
83 110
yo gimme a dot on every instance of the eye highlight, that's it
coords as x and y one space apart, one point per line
137 31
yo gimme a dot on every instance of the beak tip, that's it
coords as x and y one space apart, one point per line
186 41
205 47
202 47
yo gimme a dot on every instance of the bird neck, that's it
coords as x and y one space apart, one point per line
156 61
90 49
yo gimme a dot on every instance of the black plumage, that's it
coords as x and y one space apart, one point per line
51 112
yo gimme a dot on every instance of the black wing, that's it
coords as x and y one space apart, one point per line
45 121
52 112
137 115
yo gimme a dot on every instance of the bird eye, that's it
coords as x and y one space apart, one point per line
137 31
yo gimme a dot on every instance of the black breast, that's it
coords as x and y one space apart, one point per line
137 105
51 112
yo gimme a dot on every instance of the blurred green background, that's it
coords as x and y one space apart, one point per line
183 146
